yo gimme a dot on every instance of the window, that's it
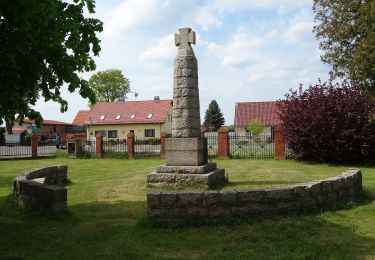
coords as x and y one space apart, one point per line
118 116
132 116
102 133
102 117
149 116
112 133
149 132
132 131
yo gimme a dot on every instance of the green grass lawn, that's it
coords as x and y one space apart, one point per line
107 217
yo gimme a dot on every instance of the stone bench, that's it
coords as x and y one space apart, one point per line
35 189
210 204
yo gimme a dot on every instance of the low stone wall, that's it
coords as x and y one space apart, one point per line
210 204
35 189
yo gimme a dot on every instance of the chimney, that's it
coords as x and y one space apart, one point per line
156 98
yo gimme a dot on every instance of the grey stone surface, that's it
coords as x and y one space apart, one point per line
253 202
247 196
35 189
211 178
185 88
187 169
228 198
279 194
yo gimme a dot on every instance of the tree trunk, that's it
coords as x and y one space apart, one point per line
9 126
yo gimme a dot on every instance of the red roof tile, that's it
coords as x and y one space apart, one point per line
141 110
81 117
266 112
18 131
46 122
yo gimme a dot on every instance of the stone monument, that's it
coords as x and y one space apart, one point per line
186 151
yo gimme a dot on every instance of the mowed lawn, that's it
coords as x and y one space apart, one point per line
107 217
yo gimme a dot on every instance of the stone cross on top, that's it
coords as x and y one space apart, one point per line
185 38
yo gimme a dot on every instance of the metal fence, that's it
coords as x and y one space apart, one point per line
47 148
15 150
147 148
250 146
212 145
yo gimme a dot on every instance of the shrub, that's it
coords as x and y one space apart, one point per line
328 122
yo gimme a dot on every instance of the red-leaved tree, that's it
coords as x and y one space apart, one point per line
328 122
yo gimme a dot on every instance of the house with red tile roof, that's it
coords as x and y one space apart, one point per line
247 112
48 129
81 117
146 119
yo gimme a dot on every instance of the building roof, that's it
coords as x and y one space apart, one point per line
18 131
81 117
266 112
130 112
45 122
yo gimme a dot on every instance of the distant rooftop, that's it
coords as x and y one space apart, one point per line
265 111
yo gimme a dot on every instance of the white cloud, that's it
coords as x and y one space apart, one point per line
162 51
299 33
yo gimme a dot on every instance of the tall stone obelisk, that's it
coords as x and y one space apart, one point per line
186 151
185 147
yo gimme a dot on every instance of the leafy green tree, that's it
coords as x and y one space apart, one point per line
213 118
256 126
44 45
109 85
346 29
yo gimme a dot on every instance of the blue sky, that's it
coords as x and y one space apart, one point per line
253 50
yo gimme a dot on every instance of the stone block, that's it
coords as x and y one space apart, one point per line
279 194
189 199
186 62
201 169
338 183
168 199
211 198
186 92
322 199
314 188
332 196
219 211
240 211
343 193
193 132
185 72
63 170
153 199
58 206
247 196
186 158
175 213
183 144
185 113
326 186
228 198
286 206
261 209
182 82
155 213
197 212
300 191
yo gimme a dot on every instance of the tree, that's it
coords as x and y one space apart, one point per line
328 122
43 45
109 85
256 126
346 29
213 118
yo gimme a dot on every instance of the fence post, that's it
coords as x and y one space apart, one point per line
223 142
202 133
130 144
99 146
279 143
34 145
163 135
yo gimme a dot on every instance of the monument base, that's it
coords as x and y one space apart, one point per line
186 151
165 176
